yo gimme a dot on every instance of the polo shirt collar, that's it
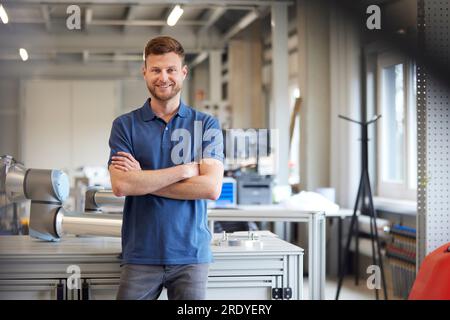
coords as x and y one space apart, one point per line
182 110
148 114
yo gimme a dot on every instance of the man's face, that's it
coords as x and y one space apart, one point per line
164 75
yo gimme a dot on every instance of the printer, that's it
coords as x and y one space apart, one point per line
254 188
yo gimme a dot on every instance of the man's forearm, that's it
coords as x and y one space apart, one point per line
199 187
136 183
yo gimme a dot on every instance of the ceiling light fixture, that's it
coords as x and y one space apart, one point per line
23 54
174 15
3 15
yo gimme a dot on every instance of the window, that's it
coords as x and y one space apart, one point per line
397 136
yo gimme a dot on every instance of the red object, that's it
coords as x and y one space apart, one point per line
433 280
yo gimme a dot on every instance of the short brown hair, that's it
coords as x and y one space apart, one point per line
162 45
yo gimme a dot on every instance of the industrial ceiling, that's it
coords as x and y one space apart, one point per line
115 31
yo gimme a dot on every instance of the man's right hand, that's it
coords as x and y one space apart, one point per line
125 162
191 170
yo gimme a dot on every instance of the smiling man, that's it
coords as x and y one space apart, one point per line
165 236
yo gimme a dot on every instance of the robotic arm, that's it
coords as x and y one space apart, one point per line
47 190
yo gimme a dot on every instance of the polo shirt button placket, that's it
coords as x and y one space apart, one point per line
166 137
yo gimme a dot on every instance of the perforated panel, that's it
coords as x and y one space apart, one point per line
433 105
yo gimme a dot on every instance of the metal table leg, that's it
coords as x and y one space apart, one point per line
357 252
340 246
316 263
322 240
211 226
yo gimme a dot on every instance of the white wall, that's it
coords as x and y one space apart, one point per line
66 124
345 99
129 94
46 124
314 84
134 94
9 117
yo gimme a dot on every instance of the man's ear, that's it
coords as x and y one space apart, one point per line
144 69
185 71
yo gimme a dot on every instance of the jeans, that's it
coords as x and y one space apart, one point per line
145 282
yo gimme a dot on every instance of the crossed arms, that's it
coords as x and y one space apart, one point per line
184 182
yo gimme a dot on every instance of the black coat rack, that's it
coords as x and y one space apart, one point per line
364 198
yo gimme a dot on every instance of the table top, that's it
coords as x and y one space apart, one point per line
26 245
265 210
261 212
85 245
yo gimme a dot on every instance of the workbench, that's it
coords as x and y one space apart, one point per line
316 234
35 269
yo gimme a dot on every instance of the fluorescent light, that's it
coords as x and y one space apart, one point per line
23 54
3 15
174 15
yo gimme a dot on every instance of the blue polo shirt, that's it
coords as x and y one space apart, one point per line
158 230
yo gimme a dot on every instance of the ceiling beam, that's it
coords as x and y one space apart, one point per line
110 22
165 13
129 15
46 16
93 69
198 59
143 23
242 24
159 2
85 56
125 57
89 14
214 15
73 42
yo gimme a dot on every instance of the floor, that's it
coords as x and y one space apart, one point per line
349 291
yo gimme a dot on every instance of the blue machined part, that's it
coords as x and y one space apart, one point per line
61 186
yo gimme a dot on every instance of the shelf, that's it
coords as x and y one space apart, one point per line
404 207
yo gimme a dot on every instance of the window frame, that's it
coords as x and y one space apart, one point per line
405 190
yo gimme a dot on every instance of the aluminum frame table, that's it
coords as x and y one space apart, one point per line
316 236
